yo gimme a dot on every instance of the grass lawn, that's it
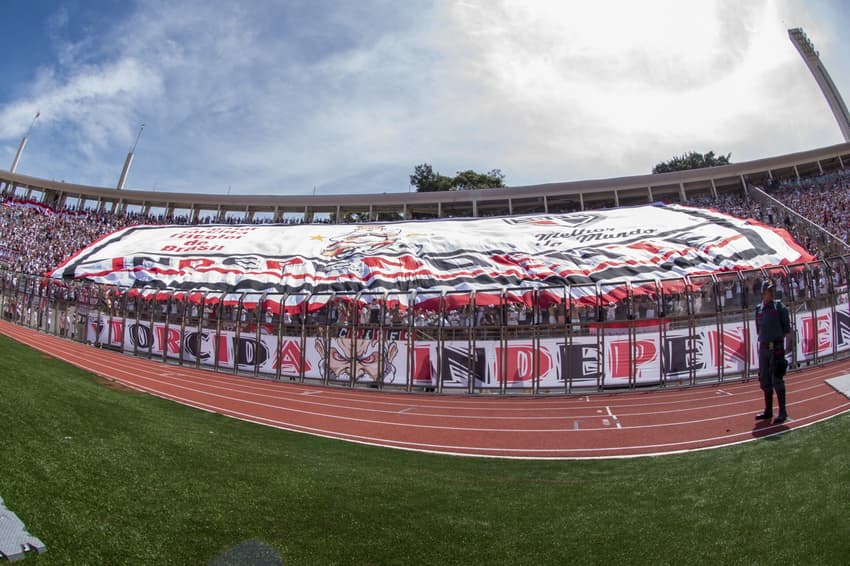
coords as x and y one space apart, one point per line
105 475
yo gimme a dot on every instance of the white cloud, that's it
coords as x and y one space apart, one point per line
350 96
647 80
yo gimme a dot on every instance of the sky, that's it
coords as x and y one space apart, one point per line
298 97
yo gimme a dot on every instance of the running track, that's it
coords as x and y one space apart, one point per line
595 426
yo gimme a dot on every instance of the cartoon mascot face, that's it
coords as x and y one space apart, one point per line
365 359
364 240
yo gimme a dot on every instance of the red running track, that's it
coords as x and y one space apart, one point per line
596 426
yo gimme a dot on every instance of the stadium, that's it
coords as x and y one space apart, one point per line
411 307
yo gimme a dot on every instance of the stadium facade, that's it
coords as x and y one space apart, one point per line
543 198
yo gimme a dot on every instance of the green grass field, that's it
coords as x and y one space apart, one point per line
104 475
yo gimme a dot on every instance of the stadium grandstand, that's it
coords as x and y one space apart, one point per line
587 335
147 333
743 190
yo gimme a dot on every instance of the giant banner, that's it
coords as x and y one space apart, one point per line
430 257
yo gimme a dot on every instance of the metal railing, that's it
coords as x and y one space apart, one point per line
572 339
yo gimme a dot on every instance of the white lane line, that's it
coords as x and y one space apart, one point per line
99 370
84 363
515 453
815 375
614 417
722 392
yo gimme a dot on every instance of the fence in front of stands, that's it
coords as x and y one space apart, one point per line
666 333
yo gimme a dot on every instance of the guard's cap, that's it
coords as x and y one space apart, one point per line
767 285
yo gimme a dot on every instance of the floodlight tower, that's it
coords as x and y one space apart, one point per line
23 143
827 87
129 160
8 186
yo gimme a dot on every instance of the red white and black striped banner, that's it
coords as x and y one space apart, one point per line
637 243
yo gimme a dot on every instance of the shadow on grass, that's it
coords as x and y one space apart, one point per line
768 430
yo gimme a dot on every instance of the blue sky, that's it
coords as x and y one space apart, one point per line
288 97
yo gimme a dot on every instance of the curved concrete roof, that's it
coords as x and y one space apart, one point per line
548 197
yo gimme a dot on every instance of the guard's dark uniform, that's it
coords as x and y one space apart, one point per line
772 324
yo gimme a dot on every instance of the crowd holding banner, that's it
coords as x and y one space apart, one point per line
436 257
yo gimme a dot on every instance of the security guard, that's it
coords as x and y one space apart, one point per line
774 328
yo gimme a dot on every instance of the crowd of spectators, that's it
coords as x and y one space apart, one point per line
736 204
823 200
35 238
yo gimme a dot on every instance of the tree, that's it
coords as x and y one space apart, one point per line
426 180
469 179
692 160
